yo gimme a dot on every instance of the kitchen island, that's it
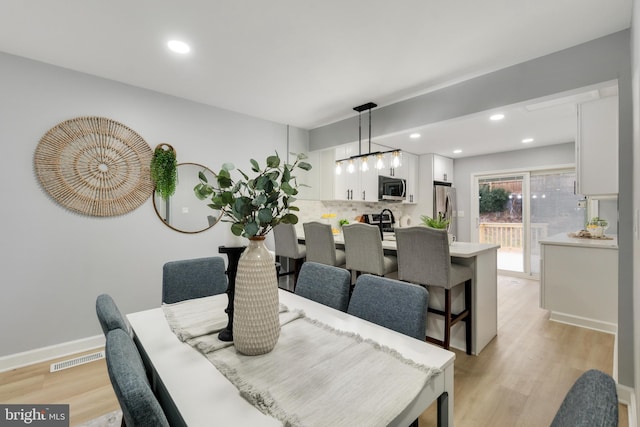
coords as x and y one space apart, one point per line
482 259
579 281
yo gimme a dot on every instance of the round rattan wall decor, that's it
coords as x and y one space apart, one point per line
94 166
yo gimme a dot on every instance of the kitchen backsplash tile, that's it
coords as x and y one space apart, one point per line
312 210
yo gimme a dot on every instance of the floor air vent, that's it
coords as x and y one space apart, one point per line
81 360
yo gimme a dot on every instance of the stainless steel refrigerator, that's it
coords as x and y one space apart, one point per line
444 201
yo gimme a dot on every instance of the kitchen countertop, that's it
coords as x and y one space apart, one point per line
563 239
456 249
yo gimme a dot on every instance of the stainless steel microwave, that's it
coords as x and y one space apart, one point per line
392 188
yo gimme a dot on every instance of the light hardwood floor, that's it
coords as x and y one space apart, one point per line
519 379
86 388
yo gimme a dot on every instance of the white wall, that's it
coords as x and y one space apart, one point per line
54 263
635 63
561 154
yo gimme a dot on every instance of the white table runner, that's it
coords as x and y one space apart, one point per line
315 376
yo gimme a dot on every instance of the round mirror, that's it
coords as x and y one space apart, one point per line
183 211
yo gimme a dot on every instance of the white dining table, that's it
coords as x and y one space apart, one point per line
194 393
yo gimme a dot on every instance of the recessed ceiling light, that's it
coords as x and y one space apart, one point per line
414 136
496 117
527 140
178 46
458 151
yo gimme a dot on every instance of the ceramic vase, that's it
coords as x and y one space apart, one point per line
256 323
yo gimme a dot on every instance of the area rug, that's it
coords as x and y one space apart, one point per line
107 420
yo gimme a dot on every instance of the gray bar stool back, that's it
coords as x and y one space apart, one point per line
363 247
423 258
321 246
287 246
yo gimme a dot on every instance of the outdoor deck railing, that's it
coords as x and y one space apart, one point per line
509 234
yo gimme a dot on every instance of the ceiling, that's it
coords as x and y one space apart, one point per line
535 123
307 63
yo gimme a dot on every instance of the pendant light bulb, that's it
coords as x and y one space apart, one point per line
351 168
380 162
396 159
364 165
338 168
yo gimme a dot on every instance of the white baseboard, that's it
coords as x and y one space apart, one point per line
626 396
43 354
584 322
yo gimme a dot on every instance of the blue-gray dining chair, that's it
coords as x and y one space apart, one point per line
591 401
390 303
109 315
193 278
325 284
140 407
424 259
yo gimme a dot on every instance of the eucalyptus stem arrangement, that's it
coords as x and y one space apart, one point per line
164 170
255 205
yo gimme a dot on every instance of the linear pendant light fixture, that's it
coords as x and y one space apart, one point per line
364 157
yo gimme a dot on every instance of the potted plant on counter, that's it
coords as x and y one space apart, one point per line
440 223
596 226
254 206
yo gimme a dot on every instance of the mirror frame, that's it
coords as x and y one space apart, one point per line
156 199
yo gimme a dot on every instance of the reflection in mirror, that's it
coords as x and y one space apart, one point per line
183 211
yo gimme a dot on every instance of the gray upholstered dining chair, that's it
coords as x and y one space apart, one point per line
424 259
140 407
390 303
287 246
321 245
363 248
109 315
591 401
193 278
325 284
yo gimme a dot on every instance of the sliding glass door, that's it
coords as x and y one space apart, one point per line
517 210
502 204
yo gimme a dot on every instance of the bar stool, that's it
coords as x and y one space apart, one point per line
321 246
287 246
363 247
423 258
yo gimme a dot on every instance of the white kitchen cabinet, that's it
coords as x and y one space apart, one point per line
442 168
358 185
410 168
579 281
368 190
320 182
597 147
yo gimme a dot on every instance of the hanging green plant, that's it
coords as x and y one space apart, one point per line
164 170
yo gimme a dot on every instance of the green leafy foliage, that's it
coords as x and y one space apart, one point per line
493 199
255 205
440 222
598 222
164 171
